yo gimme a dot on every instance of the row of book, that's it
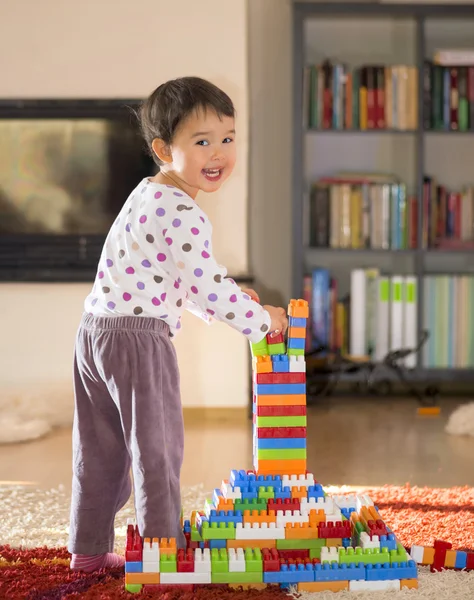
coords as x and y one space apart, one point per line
375 211
368 97
380 315
386 97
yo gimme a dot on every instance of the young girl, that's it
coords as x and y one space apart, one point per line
157 261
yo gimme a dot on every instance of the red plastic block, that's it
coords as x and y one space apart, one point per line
279 378
271 559
277 339
293 554
334 530
376 528
134 547
185 561
470 561
193 545
281 411
440 555
283 504
281 432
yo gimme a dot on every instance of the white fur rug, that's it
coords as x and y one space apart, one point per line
461 421
33 410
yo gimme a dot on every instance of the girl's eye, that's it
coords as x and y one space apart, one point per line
228 140
202 143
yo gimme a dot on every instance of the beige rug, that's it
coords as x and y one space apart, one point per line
32 518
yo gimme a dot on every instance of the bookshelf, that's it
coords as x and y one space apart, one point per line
391 34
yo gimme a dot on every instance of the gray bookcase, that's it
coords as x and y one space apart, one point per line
375 33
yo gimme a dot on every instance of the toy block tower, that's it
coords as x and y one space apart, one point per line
279 398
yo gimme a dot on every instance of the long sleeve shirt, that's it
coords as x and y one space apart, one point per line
157 261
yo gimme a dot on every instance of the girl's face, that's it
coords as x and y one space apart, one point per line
202 152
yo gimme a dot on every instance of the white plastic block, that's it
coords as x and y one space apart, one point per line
345 500
151 567
260 531
300 481
297 364
363 500
151 556
236 560
202 560
229 492
327 504
290 516
366 542
185 578
330 554
417 553
374 586
131 521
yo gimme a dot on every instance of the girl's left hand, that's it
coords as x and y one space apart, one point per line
252 293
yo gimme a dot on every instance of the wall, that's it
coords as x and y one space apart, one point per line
95 49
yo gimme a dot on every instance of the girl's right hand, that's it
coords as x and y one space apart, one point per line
279 319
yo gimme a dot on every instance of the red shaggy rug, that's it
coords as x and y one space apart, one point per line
416 515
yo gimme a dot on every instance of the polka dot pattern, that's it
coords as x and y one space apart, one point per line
158 260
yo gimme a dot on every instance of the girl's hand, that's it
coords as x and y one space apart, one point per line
252 293
279 319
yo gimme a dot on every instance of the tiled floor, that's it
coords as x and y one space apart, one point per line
352 441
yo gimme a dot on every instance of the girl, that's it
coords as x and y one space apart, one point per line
157 261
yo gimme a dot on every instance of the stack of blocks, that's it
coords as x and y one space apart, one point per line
276 525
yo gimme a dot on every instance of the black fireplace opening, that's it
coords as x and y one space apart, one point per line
66 169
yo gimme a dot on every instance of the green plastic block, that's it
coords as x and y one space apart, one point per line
195 535
281 454
399 555
290 544
295 352
253 560
280 421
276 349
252 577
134 588
253 504
168 563
315 553
218 531
368 556
260 348
219 560
265 493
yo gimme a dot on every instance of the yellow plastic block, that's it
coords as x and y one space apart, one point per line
450 560
143 578
298 309
323 586
409 583
262 364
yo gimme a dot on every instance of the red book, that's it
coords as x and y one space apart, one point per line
454 99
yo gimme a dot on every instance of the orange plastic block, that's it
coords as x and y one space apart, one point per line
428 556
297 332
409 583
225 504
316 517
251 544
429 411
299 492
450 559
259 516
323 586
298 309
263 364
281 400
143 578
301 531
334 542
168 546
284 467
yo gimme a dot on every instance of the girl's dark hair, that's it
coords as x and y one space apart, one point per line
162 112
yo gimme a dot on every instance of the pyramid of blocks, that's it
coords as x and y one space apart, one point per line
275 524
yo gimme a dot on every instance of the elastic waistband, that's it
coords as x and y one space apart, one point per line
128 323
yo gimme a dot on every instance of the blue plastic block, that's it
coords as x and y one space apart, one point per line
249 494
217 495
291 574
461 560
388 541
347 512
315 491
297 322
217 544
283 493
346 542
299 343
403 570
202 545
226 516
280 388
238 478
133 567
280 363
265 481
187 526
281 444
337 572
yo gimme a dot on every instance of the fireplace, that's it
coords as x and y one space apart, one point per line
66 168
